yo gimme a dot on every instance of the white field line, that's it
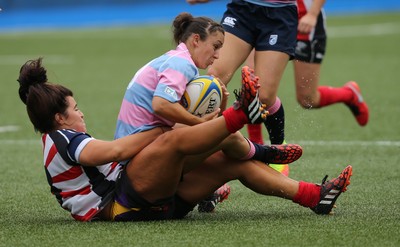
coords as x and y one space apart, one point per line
387 28
333 32
20 142
8 128
21 59
349 143
363 30
382 143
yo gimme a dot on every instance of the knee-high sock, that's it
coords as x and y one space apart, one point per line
255 133
234 119
332 95
308 194
275 123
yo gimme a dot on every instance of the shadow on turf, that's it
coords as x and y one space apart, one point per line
193 217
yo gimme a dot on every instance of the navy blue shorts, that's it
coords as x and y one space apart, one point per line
264 28
128 205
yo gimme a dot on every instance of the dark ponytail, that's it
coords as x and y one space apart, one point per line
185 25
43 99
31 73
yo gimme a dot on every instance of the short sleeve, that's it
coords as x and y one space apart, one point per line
77 144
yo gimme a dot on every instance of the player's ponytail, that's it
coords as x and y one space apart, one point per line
43 99
180 25
185 25
30 74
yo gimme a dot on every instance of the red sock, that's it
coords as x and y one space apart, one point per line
234 119
255 133
331 95
308 194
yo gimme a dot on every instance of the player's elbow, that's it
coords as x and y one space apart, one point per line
158 105
162 107
158 110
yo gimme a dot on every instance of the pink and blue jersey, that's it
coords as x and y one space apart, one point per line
165 77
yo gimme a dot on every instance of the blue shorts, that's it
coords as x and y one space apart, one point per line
264 28
128 205
311 48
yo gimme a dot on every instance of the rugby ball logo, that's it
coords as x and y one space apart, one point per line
203 95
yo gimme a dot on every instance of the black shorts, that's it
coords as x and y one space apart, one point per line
264 28
311 51
311 47
129 206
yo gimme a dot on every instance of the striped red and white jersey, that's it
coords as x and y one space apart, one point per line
82 190
320 30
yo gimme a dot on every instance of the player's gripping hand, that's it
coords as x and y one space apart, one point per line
212 115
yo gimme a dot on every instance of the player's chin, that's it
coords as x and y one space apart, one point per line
208 64
82 128
204 66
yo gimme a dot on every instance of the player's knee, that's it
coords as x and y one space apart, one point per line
235 138
305 101
167 139
223 75
268 99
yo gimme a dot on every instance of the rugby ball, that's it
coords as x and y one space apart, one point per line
203 95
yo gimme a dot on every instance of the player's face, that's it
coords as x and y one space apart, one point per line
73 119
208 50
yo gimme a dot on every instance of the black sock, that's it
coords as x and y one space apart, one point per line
263 153
276 126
